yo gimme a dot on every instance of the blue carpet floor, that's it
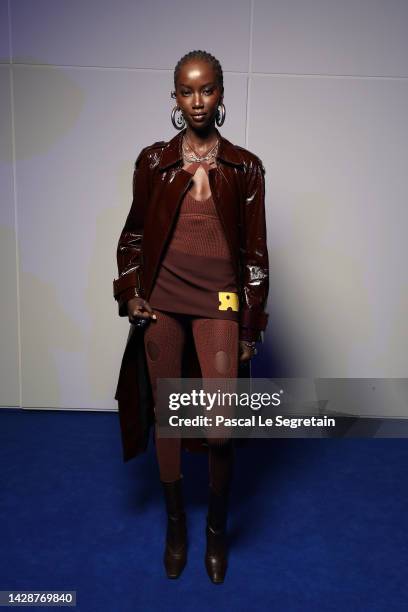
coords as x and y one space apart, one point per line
314 524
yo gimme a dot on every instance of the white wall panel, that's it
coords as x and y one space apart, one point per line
335 152
368 37
143 34
78 133
9 367
4 33
334 149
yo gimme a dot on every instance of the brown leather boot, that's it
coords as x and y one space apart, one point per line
175 554
216 551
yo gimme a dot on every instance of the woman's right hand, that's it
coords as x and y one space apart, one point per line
138 308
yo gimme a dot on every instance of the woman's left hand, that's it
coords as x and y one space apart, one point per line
246 350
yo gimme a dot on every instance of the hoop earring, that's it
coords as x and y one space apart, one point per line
220 115
179 122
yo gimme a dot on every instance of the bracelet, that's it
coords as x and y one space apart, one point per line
251 344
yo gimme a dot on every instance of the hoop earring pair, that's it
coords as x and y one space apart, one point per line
177 117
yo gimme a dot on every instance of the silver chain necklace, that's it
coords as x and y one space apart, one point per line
192 156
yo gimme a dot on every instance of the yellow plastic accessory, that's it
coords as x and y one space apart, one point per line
228 300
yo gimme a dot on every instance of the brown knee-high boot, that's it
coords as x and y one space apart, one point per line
216 550
175 554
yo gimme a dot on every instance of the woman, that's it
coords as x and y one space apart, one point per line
193 280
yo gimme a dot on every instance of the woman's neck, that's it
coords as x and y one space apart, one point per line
203 139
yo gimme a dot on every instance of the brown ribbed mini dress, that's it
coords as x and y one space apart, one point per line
196 275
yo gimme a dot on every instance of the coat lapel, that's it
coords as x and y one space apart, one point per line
173 189
161 213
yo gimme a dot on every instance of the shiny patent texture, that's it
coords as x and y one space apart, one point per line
159 184
238 188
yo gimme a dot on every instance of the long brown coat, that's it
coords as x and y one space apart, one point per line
159 184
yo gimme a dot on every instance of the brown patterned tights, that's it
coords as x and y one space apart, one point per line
216 343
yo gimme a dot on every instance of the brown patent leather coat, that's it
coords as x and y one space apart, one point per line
159 184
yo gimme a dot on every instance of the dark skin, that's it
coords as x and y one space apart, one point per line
197 90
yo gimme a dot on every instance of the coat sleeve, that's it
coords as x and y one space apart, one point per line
254 256
129 283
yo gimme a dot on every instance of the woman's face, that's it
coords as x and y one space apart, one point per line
198 93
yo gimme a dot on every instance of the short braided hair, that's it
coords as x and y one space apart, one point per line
201 55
